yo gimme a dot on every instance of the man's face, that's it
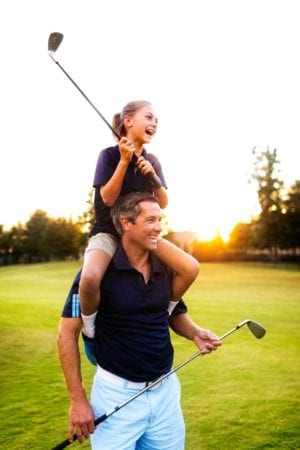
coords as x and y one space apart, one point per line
147 227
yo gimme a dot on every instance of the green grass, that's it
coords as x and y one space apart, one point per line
244 396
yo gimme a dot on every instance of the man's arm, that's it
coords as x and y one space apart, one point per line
81 417
206 340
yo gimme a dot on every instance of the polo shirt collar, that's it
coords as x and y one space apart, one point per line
121 261
144 153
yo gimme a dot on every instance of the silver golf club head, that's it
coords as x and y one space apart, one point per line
54 42
256 329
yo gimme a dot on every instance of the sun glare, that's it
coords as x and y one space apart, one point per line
210 234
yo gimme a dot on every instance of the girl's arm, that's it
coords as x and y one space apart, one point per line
146 168
162 196
111 190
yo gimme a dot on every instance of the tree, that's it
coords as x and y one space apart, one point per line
266 174
35 233
269 187
61 239
87 218
291 218
5 246
240 237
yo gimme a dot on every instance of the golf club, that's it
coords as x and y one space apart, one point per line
54 41
256 329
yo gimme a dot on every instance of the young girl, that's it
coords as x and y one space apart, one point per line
120 169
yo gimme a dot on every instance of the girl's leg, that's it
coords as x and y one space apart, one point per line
97 257
181 263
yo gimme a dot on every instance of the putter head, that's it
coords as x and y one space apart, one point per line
54 42
256 329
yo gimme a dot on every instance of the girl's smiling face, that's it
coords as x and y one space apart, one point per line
141 127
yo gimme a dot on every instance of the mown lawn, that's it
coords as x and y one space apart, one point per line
244 396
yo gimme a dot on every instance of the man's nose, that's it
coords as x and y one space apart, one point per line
158 227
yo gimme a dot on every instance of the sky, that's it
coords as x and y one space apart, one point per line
222 75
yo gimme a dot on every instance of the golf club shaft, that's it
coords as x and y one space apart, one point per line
101 419
155 180
86 97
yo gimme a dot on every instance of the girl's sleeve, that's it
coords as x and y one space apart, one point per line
158 169
105 167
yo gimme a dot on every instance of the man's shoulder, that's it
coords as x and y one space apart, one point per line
120 261
158 266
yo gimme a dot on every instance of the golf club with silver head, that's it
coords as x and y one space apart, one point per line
54 41
256 329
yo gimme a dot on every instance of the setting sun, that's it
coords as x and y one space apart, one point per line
213 218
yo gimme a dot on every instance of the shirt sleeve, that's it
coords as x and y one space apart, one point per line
106 165
180 308
157 167
72 303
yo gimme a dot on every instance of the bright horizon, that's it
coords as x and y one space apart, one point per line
222 77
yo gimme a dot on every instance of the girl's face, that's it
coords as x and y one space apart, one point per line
141 127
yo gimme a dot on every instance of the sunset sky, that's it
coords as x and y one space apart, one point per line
222 75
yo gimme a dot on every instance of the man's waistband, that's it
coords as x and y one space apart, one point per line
119 381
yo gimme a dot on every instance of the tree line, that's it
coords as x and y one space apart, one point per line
274 233
276 230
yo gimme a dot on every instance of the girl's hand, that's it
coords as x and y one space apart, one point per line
126 149
144 166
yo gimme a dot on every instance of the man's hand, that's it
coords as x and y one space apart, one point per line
206 340
81 420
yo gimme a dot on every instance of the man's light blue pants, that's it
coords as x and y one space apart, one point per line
152 421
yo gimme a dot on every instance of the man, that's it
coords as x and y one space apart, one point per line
132 343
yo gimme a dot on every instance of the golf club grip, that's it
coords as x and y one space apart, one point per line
66 442
155 180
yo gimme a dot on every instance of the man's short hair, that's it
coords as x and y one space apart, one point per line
128 207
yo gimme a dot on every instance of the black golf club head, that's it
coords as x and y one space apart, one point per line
54 41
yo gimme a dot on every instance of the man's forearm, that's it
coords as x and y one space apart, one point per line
81 417
69 356
205 340
183 325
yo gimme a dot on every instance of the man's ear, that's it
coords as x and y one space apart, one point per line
125 224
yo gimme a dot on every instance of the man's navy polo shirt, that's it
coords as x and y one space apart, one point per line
132 329
134 181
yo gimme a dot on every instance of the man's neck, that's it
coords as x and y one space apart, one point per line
138 258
